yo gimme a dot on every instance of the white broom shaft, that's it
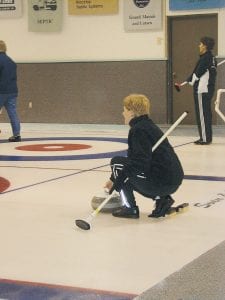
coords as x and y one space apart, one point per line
97 210
217 103
221 62
183 83
169 130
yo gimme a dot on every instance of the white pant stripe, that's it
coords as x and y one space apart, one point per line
115 169
202 120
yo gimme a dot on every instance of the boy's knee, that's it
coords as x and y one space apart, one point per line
115 160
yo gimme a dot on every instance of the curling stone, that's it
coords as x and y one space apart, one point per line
114 203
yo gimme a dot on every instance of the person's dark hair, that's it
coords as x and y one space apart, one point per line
208 42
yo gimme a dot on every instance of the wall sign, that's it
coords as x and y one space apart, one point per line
92 7
195 4
10 8
142 15
44 16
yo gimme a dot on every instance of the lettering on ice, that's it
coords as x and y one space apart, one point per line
219 197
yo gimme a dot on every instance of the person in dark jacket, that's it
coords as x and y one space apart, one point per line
156 174
203 79
9 91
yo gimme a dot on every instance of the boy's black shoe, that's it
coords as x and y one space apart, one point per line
200 142
127 212
15 138
163 205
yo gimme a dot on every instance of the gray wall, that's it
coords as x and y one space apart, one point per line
88 92
92 92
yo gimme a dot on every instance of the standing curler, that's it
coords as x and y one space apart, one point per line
203 80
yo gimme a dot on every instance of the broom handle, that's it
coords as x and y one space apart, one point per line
169 130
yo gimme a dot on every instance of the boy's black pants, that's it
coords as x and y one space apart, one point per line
204 115
139 183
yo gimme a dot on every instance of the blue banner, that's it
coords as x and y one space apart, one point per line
195 4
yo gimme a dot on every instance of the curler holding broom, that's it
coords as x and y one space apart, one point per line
150 168
203 80
155 175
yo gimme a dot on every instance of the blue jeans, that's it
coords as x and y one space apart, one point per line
9 102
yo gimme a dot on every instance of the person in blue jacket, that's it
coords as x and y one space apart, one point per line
155 175
9 91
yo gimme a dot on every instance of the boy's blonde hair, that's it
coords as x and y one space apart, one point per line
2 46
139 104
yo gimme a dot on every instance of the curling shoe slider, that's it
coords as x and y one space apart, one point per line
127 212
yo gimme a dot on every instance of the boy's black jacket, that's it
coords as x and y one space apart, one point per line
162 165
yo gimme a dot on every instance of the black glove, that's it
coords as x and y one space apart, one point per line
119 182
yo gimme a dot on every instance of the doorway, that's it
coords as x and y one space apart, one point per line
184 33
